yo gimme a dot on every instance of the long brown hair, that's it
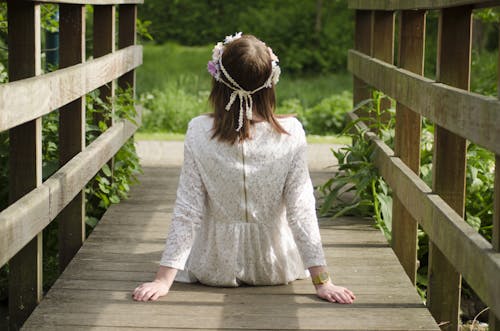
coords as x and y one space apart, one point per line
248 62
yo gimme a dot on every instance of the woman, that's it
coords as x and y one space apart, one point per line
245 209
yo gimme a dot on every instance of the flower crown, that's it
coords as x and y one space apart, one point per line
217 70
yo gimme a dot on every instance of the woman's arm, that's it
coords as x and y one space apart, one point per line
327 290
186 219
158 287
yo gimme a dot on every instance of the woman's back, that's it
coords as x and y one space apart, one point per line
242 232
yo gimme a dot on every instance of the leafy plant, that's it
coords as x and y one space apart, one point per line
357 188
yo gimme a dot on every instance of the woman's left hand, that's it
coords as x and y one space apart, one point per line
334 293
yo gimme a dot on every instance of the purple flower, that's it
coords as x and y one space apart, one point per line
213 69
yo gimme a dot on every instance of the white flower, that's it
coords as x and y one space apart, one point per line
232 38
276 73
217 52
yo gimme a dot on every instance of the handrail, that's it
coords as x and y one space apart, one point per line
455 248
53 90
25 99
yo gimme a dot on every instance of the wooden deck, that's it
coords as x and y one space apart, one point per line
94 292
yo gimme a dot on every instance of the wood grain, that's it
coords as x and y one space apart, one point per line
449 162
25 161
104 43
53 90
21 221
71 220
417 4
470 115
94 292
407 138
127 36
362 43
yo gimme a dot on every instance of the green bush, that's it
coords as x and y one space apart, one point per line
171 109
328 116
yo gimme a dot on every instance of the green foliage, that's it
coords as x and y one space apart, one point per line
484 71
110 185
306 37
328 116
171 109
357 188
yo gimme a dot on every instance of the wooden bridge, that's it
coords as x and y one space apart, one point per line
94 290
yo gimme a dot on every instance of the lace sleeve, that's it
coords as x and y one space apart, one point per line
187 214
301 208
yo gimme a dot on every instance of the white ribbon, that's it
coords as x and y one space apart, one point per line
244 95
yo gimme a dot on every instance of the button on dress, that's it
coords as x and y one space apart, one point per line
244 212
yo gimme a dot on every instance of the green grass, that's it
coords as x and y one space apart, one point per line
311 139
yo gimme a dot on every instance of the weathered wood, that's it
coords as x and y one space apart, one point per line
25 162
470 115
449 162
53 90
33 212
126 37
98 283
417 4
494 321
469 252
104 43
362 43
383 36
71 220
407 138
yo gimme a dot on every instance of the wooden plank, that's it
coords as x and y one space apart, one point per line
407 138
53 90
383 36
127 36
469 252
449 162
494 321
417 4
470 115
104 43
362 43
71 220
21 221
25 162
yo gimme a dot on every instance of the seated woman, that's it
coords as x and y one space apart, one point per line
245 209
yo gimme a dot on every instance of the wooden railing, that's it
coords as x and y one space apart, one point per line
455 248
25 99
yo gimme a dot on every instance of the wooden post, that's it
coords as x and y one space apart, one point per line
362 43
407 138
127 37
71 130
383 44
104 43
25 159
449 161
494 321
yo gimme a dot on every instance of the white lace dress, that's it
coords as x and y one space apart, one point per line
244 213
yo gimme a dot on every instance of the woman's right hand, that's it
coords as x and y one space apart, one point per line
151 291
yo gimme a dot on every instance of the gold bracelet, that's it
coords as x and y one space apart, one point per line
321 278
